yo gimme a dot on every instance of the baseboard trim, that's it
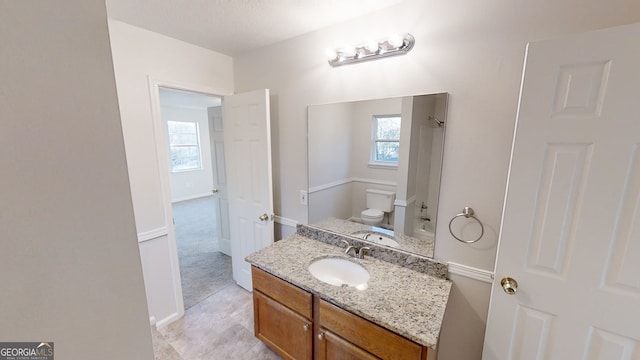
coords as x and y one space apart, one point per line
168 320
153 234
471 272
285 221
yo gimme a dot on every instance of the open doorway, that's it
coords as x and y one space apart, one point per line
198 195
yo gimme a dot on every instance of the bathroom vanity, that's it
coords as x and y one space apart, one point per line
396 315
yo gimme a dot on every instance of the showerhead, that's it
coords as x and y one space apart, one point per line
435 121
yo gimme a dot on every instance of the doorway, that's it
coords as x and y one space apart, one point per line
188 123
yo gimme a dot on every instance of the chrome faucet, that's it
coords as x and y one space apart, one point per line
356 251
362 250
350 247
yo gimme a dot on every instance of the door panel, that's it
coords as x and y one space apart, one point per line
623 266
558 200
216 134
247 138
570 232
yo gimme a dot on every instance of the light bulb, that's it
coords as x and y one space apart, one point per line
396 40
372 46
331 54
348 51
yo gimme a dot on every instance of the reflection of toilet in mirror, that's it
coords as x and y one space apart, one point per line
379 202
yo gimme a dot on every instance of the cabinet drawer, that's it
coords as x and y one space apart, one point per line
289 295
367 335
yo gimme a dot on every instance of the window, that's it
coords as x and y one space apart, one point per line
385 149
184 146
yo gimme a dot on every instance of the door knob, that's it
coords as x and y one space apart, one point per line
214 191
306 327
264 217
509 285
321 336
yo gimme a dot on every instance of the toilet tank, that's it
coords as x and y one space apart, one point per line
380 199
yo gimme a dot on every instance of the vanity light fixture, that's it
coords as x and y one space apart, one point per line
397 44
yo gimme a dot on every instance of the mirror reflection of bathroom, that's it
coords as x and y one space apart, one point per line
379 206
425 164
374 166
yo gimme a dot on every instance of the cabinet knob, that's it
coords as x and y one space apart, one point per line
306 327
320 336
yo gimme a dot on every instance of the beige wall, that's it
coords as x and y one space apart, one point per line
472 49
69 265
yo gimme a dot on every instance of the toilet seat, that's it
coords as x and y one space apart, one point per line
372 216
372 213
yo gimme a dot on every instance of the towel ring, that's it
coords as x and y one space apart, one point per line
468 213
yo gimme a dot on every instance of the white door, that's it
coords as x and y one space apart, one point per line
248 158
570 232
219 190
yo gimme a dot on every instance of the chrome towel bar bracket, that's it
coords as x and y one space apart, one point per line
467 212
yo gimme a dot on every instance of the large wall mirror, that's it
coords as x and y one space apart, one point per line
374 169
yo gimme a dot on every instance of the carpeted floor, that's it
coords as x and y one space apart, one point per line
203 269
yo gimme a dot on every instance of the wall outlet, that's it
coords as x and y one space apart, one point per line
303 197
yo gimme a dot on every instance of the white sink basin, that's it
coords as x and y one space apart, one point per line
340 272
376 238
382 240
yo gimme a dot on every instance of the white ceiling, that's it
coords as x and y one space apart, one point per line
236 26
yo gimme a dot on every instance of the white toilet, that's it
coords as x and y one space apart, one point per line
378 203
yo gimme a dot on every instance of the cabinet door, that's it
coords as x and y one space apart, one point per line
333 347
283 330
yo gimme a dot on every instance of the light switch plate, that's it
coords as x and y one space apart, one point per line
303 197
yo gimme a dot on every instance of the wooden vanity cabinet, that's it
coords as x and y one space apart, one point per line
332 347
289 320
282 316
341 332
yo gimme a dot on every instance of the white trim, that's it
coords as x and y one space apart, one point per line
168 320
405 203
153 234
163 170
471 272
152 320
202 89
285 221
350 180
374 181
329 185
381 165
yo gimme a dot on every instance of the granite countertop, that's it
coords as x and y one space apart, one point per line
402 300
406 243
